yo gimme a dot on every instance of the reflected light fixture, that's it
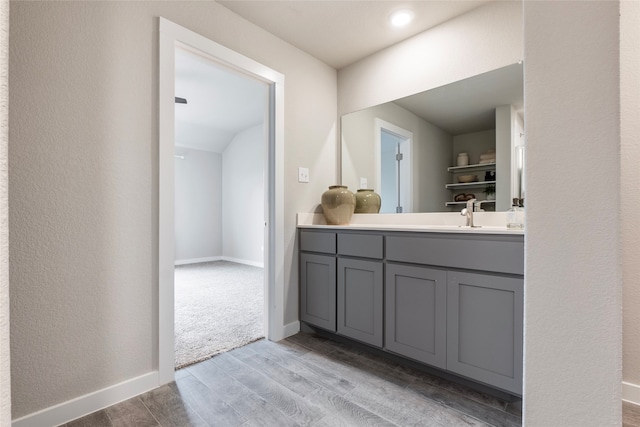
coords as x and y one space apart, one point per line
401 18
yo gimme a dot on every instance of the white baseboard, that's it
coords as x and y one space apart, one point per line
92 402
85 405
197 260
291 329
281 332
243 261
631 393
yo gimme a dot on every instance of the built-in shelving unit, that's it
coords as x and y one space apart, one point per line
484 202
471 168
469 184
462 186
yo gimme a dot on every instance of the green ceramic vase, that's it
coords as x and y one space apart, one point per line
338 204
367 201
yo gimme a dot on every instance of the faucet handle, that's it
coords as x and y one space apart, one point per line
470 203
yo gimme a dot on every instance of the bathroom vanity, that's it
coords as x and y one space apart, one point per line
445 296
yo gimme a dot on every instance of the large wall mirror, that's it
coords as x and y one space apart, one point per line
408 150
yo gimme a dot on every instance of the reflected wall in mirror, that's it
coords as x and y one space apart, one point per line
407 150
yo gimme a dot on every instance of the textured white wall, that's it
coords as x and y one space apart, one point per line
243 196
573 335
198 204
630 182
5 369
481 40
83 182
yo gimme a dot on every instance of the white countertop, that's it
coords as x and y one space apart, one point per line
489 223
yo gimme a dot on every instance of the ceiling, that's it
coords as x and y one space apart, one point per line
220 102
340 33
469 105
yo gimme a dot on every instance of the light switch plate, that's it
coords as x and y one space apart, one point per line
363 183
303 174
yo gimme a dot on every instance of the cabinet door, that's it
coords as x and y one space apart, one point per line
360 300
415 313
484 328
318 290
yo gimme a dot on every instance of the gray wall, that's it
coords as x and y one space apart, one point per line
243 197
474 144
198 204
431 153
219 201
84 182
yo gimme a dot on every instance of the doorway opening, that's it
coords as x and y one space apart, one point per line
220 144
393 167
173 36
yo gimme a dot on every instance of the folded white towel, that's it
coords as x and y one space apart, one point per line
487 156
482 162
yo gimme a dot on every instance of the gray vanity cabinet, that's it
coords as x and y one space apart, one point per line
415 313
318 279
360 300
360 289
318 290
484 328
452 301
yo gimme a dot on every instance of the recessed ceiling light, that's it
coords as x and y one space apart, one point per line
401 18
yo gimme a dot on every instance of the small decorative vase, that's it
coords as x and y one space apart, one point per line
338 205
367 201
463 159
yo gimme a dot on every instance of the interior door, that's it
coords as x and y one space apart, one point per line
395 172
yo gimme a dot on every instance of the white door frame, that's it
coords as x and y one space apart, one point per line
172 35
406 193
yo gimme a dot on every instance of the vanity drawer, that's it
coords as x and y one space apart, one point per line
502 254
360 245
317 241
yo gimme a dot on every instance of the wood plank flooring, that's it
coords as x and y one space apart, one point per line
306 380
630 415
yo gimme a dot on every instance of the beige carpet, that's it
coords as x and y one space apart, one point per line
219 306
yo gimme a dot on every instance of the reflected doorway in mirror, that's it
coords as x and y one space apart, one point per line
393 167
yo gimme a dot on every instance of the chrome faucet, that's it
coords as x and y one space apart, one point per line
468 212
